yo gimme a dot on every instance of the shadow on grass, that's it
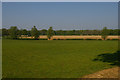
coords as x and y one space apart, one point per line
112 58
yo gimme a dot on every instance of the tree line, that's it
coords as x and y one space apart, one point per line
14 32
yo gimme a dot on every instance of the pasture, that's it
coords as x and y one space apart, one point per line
54 58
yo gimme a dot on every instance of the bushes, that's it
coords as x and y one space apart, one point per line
6 37
29 39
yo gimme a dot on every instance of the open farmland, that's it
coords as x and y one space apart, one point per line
54 59
77 37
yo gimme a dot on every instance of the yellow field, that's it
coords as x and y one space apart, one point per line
76 37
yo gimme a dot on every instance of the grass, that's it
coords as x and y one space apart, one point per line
54 59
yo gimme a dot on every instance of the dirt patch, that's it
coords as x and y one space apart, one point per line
107 73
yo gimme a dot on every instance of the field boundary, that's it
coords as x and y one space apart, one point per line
83 37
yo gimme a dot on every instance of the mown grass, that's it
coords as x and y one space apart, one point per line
54 59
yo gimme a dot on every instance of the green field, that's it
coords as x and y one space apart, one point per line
56 58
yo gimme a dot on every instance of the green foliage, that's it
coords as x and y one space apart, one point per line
5 32
24 32
34 32
0 32
104 33
29 33
50 33
64 32
43 32
13 32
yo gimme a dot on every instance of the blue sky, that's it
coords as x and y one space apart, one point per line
60 15
60 0
0 15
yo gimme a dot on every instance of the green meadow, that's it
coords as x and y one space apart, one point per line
54 58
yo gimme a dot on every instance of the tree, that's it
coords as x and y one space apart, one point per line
19 33
4 32
50 33
0 33
104 33
34 32
29 33
13 32
43 32
24 32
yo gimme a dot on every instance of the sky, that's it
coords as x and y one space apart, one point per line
60 0
0 14
60 15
